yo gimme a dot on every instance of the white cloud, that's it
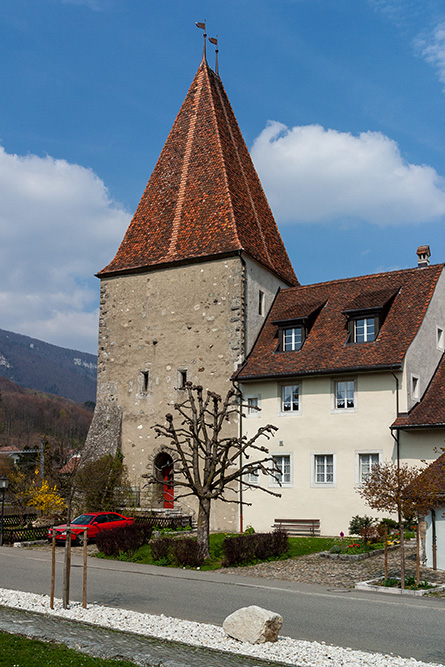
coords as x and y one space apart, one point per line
58 226
315 175
432 48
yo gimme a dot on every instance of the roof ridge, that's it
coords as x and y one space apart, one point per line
367 275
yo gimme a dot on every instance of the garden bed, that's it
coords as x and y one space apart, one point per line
361 556
377 586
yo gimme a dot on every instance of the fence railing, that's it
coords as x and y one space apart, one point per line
180 521
11 535
17 520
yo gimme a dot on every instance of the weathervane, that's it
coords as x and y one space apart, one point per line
202 26
214 40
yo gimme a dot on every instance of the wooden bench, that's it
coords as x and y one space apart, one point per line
298 526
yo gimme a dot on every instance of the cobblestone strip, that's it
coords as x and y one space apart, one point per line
106 644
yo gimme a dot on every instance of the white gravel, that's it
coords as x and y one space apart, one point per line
286 650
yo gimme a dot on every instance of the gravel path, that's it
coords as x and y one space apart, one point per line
314 569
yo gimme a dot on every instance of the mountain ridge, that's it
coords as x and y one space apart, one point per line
35 364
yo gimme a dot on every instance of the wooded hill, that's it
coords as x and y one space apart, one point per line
27 416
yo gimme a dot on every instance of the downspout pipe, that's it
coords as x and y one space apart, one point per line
397 432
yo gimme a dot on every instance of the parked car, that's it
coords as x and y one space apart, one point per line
94 522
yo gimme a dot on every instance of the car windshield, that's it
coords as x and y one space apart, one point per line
83 519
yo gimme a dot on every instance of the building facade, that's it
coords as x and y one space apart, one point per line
188 290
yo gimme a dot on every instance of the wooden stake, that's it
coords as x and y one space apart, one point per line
67 568
386 551
85 544
53 569
417 555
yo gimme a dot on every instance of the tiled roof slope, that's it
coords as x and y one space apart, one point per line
204 197
430 411
435 474
325 349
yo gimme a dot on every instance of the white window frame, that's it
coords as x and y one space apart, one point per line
358 480
295 342
335 407
415 387
252 478
288 484
292 411
323 485
251 413
369 324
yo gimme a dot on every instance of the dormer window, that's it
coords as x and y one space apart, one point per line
366 313
293 331
292 338
365 329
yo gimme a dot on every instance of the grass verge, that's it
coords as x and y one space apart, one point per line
23 652
298 546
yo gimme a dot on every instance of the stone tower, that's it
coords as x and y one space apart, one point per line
188 290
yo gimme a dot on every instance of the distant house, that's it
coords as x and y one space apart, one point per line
350 372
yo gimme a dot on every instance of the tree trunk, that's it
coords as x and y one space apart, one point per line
402 553
203 528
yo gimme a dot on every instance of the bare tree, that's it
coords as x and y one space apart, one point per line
398 489
207 462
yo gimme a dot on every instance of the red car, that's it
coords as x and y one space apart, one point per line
94 522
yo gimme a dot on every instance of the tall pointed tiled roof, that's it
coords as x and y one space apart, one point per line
204 197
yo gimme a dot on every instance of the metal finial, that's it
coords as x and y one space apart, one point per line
214 40
202 26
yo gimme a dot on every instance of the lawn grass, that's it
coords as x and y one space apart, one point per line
298 546
22 652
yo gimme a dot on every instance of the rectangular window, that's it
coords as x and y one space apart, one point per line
415 387
252 477
182 376
323 468
292 339
344 395
366 462
260 303
252 406
283 471
290 398
143 382
365 330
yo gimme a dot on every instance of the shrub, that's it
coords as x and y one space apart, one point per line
161 550
256 546
127 539
336 549
366 527
185 552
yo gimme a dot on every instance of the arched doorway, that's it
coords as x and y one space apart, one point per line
164 474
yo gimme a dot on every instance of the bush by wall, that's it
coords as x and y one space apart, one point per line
258 546
127 539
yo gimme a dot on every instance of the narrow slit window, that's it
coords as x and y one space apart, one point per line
182 379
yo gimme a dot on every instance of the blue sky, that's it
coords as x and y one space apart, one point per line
341 103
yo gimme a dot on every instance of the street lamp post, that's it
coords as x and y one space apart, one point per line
4 483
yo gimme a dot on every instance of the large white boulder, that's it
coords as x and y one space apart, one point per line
254 625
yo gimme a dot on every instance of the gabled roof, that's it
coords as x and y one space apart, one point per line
430 411
434 475
402 295
204 197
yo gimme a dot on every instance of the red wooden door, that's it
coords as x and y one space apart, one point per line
168 487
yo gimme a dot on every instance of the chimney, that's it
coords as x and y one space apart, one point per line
423 256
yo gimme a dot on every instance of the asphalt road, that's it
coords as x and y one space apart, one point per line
405 626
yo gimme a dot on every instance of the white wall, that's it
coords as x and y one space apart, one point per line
317 428
440 539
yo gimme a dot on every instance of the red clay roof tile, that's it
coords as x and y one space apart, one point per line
430 411
326 349
204 197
